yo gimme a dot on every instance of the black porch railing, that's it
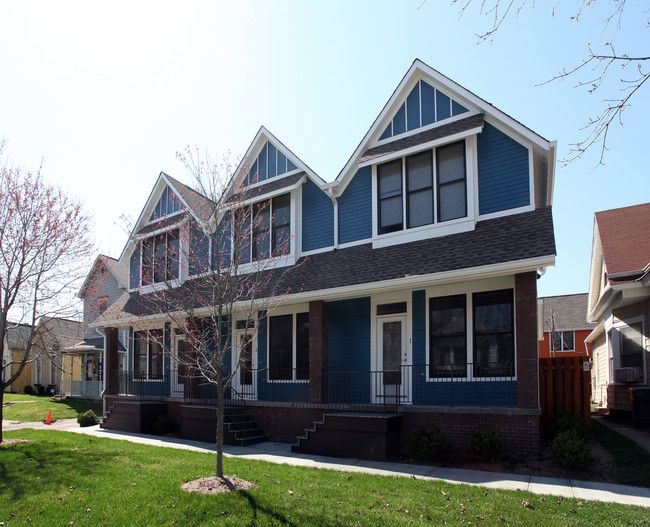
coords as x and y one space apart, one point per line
484 384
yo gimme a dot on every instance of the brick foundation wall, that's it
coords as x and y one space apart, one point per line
282 423
520 432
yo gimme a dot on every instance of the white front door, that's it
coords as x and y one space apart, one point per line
245 362
393 359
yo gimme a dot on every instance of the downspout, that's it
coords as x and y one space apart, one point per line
330 193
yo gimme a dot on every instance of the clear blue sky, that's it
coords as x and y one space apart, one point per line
107 93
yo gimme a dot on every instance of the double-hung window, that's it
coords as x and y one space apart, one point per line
289 347
563 341
263 230
161 258
422 189
494 337
148 354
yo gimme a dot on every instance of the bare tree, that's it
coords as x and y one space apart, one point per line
590 73
227 267
45 243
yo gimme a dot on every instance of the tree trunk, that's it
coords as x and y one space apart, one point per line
220 412
2 397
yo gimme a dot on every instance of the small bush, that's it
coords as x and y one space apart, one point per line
569 421
486 443
570 449
427 443
87 418
29 390
164 425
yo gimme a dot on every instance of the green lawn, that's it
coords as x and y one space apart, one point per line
60 477
36 408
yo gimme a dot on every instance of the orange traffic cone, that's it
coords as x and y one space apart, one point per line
48 421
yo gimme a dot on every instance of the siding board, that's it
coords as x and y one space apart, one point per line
355 208
317 218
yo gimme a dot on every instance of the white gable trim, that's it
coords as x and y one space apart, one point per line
420 71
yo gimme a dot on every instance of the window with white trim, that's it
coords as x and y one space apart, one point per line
289 347
563 341
422 189
148 354
263 230
160 258
492 351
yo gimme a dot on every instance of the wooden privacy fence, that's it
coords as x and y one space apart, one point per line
565 386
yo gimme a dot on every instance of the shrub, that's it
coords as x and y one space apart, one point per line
427 443
164 425
486 443
29 390
87 418
569 421
570 449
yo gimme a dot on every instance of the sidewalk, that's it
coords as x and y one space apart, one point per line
281 453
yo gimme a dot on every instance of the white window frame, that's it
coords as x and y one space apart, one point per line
293 311
561 333
616 344
468 289
146 377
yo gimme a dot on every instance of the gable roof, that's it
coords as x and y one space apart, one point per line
119 272
625 240
17 335
471 102
568 312
261 138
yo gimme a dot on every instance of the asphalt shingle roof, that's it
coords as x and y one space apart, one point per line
500 240
569 312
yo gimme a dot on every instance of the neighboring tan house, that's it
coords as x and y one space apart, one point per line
53 334
565 326
82 362
619 303
413 284
14 350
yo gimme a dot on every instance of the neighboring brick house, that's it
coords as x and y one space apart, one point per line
619 303
564 326
420 289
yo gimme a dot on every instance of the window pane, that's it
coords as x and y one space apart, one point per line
242 234
413 108
451 162
391 309
246 359
390 179
155 355
419 171
272 168
391 214
447 337
452 202
280 347
567 341
262 164
493 334
631 346
302 346
160 262
174 254
282 163
399 121
139 355
261 244
392 351
147 261
282 225
421 208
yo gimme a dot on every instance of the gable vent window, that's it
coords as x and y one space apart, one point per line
269 163
428 196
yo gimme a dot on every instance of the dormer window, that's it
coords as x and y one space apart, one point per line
264 229
412 194
161 258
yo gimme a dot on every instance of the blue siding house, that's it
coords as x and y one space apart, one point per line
409 295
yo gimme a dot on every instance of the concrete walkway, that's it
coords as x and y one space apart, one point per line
281 453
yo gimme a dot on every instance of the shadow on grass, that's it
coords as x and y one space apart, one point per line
80 405
257 508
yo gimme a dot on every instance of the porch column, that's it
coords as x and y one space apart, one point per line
111 360
318 351
526 330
